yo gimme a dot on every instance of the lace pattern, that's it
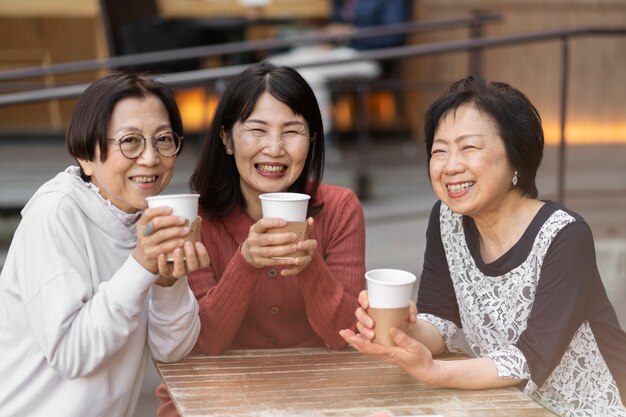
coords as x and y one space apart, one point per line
494 312
510 362
446 328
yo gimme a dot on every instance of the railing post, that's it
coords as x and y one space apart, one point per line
363 136
476 54
563 111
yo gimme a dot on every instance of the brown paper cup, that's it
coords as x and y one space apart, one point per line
385 319
299 228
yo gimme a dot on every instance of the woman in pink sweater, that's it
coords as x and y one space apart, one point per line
267 136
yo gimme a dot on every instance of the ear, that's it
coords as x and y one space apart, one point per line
87 166
226 140
224 137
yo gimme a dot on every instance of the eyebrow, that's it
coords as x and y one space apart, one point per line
132 129
288 123
460 138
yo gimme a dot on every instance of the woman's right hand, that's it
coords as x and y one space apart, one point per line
168 233
365 324
260 248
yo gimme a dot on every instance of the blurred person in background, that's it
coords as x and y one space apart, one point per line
517 274
266 136
347 15
86 293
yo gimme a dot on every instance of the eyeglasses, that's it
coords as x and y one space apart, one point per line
132 145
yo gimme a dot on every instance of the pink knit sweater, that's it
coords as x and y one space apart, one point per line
243 307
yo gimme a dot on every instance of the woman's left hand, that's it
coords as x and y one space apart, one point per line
409 354
300 262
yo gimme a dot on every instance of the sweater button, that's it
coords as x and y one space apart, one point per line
272 272
274 310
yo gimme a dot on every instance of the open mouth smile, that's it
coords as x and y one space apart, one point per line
460 188
271 169
144 180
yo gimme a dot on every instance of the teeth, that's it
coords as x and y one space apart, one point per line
272 169
457 188
144 179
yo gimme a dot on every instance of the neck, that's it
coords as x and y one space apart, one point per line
501 229
253 205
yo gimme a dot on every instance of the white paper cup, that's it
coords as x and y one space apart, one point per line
289 206
184 205
389 288
389 292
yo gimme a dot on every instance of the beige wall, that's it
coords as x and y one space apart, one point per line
597 87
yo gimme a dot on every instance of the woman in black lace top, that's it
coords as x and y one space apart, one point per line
517 274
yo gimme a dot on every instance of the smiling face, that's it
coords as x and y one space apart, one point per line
127 182
270 148
469 168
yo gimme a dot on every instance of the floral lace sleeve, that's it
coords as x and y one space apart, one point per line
447 329
510 362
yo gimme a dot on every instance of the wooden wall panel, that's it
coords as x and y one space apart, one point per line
596 109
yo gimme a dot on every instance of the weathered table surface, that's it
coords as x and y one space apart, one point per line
322 382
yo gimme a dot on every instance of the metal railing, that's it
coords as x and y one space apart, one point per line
474 22
409 51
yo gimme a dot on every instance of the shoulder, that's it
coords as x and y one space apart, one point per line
564 222
566 231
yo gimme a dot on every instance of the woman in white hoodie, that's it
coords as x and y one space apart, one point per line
86 292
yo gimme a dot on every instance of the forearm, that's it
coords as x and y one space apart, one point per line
174 324
428 335
476 373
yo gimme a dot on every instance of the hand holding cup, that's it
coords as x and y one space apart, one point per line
175 238
280 237
386 304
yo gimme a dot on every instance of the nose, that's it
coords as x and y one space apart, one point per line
149 156
274 146
453 163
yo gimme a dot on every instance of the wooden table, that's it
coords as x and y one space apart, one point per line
318 382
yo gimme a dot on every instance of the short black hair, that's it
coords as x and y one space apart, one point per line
92 112
516 118
216 177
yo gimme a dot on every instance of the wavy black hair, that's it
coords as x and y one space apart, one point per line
216 177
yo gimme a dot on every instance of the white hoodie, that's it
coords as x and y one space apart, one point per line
78 314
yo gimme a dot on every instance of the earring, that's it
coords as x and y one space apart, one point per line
229 151
514 181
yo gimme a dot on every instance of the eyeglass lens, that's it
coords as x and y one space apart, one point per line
166 144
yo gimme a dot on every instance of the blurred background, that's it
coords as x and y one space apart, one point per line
568 56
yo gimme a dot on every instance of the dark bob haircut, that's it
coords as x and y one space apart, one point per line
216 177
516 118
90 120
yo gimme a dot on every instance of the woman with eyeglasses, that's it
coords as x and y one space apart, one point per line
86 292
267 136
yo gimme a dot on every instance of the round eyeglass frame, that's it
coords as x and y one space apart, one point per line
143 148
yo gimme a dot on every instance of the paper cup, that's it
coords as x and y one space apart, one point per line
289 206
389 292
183 205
